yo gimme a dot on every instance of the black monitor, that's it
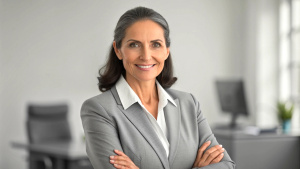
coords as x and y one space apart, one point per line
232 99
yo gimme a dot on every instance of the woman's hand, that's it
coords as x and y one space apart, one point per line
122 161
211 156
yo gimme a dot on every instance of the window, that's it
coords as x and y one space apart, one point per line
289 61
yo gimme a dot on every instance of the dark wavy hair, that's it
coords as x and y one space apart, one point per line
113 69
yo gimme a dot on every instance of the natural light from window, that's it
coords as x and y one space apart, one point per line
289 57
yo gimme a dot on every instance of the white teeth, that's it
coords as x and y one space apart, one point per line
145 67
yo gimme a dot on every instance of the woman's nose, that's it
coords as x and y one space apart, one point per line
145 54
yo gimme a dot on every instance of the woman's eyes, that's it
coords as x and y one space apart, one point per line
136 45
133 45
156 44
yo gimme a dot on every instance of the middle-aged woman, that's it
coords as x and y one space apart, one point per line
138 121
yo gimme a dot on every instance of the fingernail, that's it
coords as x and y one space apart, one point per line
112 157
112 161
221 145
223 149
115 164
208 142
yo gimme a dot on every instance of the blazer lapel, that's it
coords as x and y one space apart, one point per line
136 115
173 121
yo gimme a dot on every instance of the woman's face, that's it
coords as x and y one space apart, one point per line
143 51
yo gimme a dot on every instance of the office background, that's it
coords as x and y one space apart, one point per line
51 51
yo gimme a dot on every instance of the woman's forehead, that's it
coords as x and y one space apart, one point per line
144 29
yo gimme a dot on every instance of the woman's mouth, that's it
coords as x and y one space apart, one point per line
145 66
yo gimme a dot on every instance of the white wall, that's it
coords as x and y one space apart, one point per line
52 50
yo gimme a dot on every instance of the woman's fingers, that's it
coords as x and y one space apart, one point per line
209 153
210 156
122 161
203 148
217 159
200 153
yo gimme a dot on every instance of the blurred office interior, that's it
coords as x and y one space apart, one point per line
50 52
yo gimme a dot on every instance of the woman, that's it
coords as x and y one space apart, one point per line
138 122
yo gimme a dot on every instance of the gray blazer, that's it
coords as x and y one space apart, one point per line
108 126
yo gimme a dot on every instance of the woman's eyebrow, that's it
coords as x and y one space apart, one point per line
157 40
133 40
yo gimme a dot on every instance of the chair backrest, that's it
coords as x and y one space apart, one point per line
46 123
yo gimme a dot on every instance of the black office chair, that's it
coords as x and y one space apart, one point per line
47 123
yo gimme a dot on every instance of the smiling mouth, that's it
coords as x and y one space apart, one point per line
145 66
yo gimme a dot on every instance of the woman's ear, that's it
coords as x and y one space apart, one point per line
117 51
168 53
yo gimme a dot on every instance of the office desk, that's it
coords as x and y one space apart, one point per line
64 155
264 151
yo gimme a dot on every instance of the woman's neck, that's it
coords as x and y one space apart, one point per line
147 92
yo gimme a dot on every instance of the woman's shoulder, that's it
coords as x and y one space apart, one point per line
102 104
104 98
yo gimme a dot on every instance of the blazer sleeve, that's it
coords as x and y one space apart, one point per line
100 134
205 134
